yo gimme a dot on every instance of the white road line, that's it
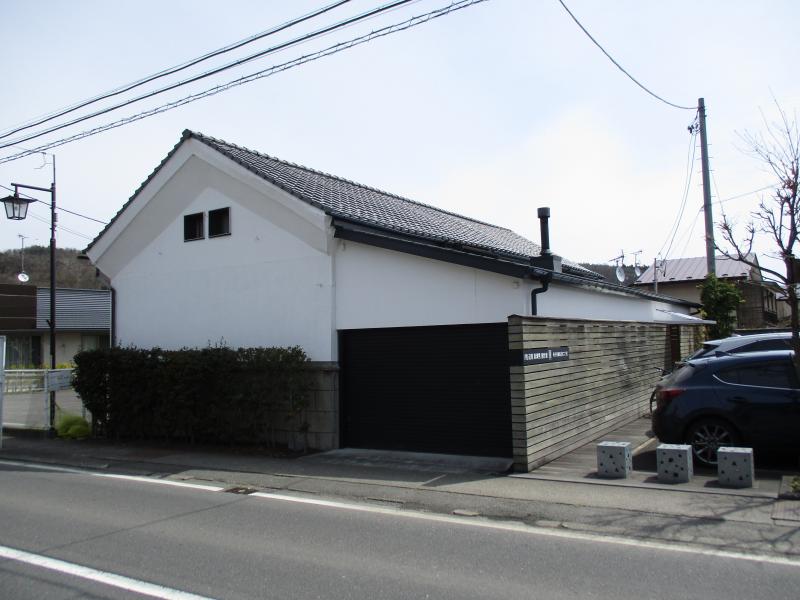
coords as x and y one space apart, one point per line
117 581
542 531
452 519
194 486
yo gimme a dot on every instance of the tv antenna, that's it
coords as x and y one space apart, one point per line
620 270
620 260
637 269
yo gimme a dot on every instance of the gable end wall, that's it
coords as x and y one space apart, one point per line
269 283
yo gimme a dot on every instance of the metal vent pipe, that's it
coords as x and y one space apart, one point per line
544 217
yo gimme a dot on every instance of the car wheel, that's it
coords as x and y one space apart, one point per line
706 436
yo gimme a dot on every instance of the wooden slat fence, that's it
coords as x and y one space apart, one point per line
606 382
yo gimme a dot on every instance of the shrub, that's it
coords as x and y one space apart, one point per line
72 427
720 300
213 394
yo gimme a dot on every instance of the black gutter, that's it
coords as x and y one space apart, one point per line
511 266
356 233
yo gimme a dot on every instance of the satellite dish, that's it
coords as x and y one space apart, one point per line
637 271
620 272
23 277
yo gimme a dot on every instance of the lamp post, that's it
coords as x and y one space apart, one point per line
16 210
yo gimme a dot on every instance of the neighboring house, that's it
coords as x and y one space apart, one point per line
224 244
682 278
83 322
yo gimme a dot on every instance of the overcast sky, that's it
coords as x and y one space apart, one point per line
489 112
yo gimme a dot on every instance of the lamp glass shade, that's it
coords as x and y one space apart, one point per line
16 207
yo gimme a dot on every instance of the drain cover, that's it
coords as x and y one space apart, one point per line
240 490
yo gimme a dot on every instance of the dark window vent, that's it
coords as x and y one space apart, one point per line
193 227
219 222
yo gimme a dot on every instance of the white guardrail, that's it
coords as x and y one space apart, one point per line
24 400
2 382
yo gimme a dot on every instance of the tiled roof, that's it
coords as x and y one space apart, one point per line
691 269
372 207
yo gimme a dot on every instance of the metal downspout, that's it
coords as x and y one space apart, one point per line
545 280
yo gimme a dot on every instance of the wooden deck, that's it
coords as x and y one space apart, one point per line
582 462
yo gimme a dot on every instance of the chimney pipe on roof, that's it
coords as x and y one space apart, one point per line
546 259
544 215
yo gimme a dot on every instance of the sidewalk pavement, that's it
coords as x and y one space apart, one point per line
565 494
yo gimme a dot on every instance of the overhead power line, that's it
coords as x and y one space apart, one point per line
690 232
689 170
60 208
721 205
750 193
616 64
384 31
62 228
273 49
175 69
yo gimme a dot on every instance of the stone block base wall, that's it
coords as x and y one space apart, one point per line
322 414
612 369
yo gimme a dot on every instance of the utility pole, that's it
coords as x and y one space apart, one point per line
710 253
52 323
655 275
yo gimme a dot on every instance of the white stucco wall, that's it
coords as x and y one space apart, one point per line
382 288
269 283
566 301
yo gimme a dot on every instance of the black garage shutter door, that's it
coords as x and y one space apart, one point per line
427 389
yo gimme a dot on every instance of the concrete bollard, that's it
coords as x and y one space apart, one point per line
674 463
614 460
735 467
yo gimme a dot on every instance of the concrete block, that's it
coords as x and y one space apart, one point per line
325 400
735 467
614 460
322 421
674 463
323 441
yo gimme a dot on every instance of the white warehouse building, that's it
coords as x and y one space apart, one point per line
222 244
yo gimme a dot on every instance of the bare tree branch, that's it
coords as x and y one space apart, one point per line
778 149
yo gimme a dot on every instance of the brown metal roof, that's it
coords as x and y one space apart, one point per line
693 269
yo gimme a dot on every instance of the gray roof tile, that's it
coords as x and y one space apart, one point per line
373 207
369 206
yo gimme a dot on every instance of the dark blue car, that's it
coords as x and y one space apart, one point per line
750 400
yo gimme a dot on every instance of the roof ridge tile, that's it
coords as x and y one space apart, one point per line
203 137
347 199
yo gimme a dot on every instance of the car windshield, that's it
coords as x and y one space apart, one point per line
706 348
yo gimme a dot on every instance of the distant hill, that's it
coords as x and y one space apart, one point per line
70 272
609 272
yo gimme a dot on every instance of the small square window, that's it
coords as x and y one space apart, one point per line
193 227
219 222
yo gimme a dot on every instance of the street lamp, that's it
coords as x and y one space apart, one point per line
16 207
16 210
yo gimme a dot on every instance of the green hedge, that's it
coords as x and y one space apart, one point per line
208 395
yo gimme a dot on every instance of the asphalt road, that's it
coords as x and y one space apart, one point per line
223 545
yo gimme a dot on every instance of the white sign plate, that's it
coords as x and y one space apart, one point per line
60 379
